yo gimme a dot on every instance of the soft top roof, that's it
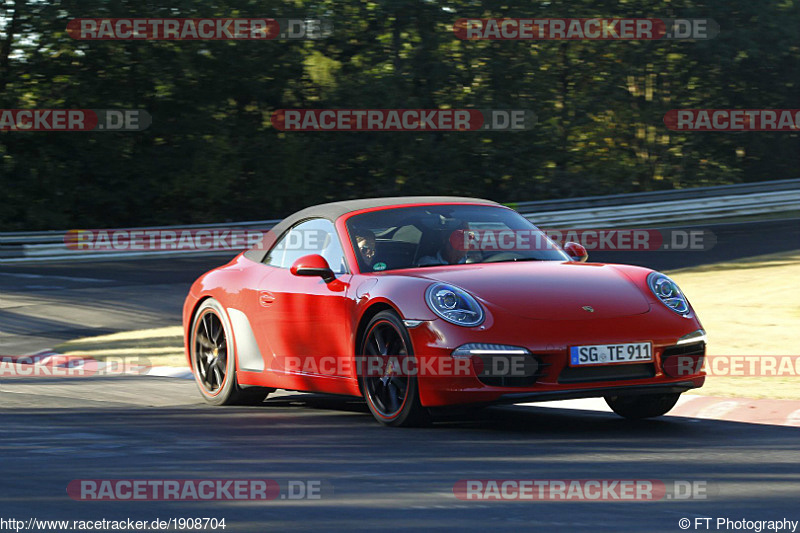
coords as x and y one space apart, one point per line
334 210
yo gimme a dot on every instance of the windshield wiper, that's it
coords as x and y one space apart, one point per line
431 265
518 260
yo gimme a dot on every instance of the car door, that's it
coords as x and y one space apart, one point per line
306 320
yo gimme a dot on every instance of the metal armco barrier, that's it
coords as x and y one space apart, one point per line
664 208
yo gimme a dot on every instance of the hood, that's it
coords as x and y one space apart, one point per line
547 290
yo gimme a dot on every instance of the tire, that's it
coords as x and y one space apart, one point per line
213 359
637 407
393 400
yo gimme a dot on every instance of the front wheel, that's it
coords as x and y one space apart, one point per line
213 360
391 391
640 406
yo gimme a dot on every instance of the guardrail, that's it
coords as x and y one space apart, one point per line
657 196
672 212
624 210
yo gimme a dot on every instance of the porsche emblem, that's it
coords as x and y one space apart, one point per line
588 308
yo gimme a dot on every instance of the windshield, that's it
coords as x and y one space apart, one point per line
435 235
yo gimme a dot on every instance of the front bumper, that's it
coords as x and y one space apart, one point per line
549 342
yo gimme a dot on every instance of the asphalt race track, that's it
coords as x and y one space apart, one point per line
55 430
156 428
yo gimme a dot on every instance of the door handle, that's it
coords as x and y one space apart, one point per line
265 298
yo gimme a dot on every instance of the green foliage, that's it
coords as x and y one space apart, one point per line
211 154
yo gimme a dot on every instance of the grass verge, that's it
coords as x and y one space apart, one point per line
161 346
748 307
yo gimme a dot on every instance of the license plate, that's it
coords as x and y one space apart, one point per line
607 354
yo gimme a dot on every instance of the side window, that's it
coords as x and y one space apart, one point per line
275 256
316 236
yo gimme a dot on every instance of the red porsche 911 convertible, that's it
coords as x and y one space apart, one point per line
422 302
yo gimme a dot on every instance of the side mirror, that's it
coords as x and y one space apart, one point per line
576 252
313 265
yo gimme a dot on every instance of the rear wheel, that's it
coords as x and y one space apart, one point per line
641 406
213 360
390 389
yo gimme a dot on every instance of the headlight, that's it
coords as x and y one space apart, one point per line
465 351
668 292
454 305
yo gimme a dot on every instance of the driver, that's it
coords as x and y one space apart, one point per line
446 254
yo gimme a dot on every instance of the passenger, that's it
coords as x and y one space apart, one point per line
365 242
